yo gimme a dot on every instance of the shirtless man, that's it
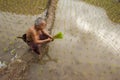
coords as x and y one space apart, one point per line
37 35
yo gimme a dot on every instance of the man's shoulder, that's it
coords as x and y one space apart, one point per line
32 31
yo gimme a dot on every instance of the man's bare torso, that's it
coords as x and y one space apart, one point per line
32 32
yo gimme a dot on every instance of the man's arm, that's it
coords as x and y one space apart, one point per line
36 39
46 33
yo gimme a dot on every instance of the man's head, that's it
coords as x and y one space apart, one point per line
40 23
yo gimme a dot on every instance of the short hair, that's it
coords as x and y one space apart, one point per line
38 21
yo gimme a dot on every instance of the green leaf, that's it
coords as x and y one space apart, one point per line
5 49
12 52
58 36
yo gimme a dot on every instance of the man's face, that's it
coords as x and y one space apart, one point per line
42 25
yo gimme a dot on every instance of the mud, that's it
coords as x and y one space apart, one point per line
16 54
89 50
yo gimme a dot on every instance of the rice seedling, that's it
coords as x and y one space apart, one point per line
111 7
5 49
56 60
15 38
58 36
23 6
13 52
11 42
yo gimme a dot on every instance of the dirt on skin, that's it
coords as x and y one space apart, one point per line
18 68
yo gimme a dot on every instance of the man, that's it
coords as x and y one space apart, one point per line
37 35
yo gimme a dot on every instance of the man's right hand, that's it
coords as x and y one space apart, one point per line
49 39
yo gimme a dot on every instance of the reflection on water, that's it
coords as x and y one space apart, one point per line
90 49
13 25
102 31
2 64
83 25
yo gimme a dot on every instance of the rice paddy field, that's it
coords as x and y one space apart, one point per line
26 7
112 8
16 16
88 50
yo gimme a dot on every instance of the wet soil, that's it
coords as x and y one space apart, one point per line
89 50
14 52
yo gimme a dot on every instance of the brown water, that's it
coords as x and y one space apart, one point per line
90 49
11 26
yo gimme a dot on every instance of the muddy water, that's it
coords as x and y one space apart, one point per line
11 26
90 49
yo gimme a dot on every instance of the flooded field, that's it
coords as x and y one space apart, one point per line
26 7
90 49
111 7
15 23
